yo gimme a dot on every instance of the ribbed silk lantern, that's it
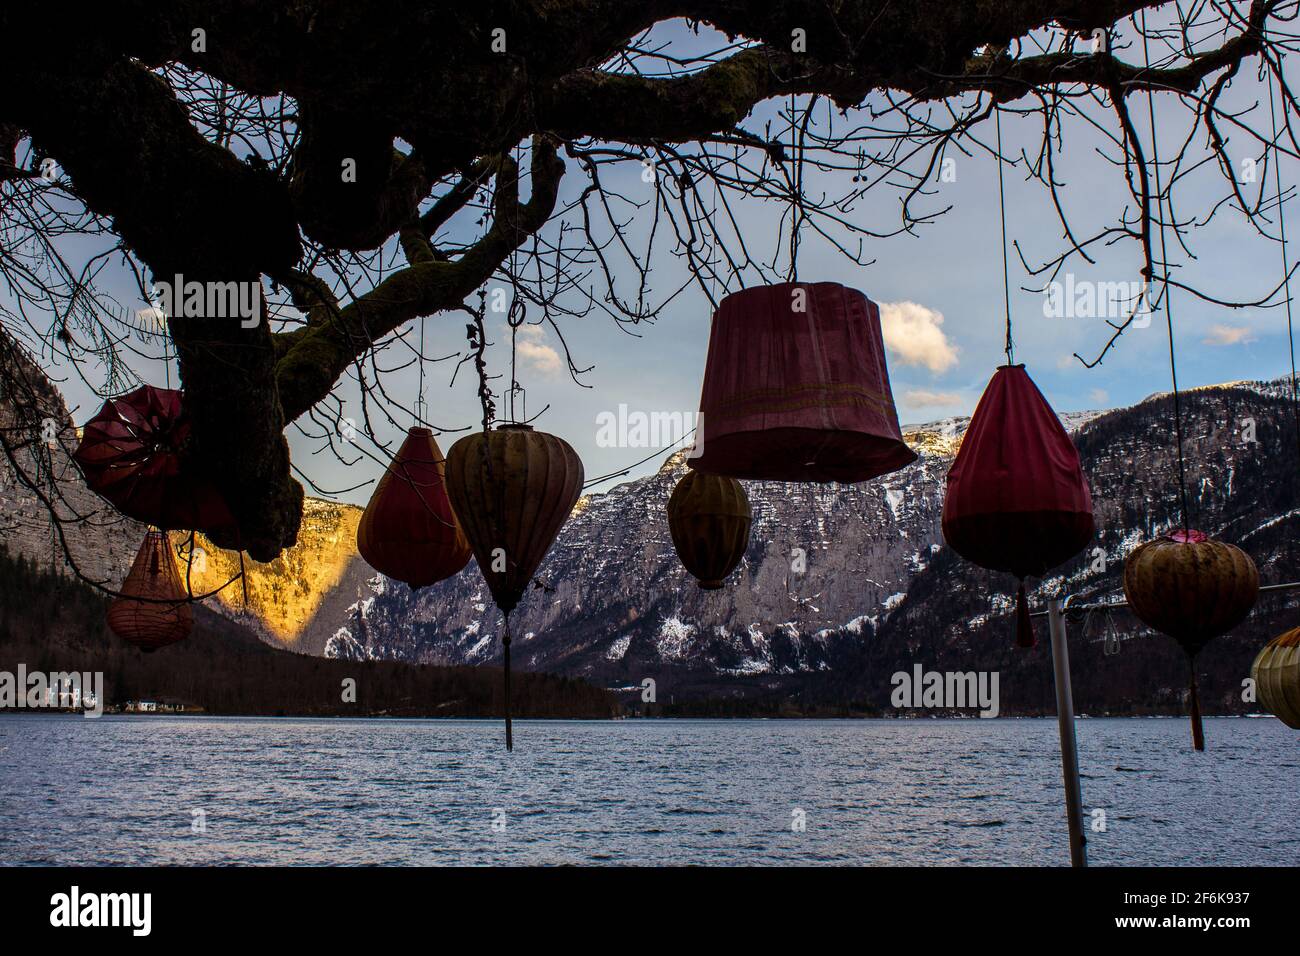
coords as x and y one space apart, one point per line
1017 500
1276 672
512 489
409 531
130 453
153 610
796 388
709 518
1192 588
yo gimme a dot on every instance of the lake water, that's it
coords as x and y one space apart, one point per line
122 790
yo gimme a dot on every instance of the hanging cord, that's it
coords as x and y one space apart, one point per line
421 411
505 645
1009 347
1286 272
1168 294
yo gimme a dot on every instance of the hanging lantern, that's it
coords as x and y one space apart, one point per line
1192 589
709 517
512 489
130 453
409 531
796 388
1276 673
1017 500
153 610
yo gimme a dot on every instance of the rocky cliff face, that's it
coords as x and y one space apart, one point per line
840 587
38 437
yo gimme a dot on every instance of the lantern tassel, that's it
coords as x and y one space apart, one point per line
1024 626
1198 732
505 643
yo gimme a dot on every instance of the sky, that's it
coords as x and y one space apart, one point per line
941 295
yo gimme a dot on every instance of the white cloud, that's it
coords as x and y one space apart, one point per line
1099 396
1229 335
924 398
912 332
530 347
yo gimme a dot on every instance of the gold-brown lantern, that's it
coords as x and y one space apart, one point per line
1193 589
709 518
512 489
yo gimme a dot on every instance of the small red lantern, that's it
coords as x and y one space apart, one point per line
409 531
796 388
153 610
130 453
1017 500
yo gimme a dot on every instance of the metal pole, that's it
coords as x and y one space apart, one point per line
1065 721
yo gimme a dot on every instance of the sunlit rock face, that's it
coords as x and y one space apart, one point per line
839 581
291 600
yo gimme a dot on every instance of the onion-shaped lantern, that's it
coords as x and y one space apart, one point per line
1276 673
409 531
512 489
1017 500
1193 589
796 388
153 609
130 453
709 517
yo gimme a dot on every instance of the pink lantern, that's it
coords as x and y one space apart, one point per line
796 388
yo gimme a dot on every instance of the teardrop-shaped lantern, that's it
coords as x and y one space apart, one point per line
153 610
796 388
1017 500
409 531
512 490
1193 589
709 517
1276 673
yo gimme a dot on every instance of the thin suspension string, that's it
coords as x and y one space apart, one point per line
1168 293
1009 347
1286 272
420 410
798 187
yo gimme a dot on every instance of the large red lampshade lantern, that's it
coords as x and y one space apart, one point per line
1017 500
796 388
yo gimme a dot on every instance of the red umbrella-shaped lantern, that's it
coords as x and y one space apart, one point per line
796 388
1017 500
130 453
153 610
409 531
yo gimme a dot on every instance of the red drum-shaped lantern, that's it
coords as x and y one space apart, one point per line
1017 500
153 610
409 531
796 388
130 453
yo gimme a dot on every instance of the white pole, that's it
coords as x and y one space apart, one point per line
1065 721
